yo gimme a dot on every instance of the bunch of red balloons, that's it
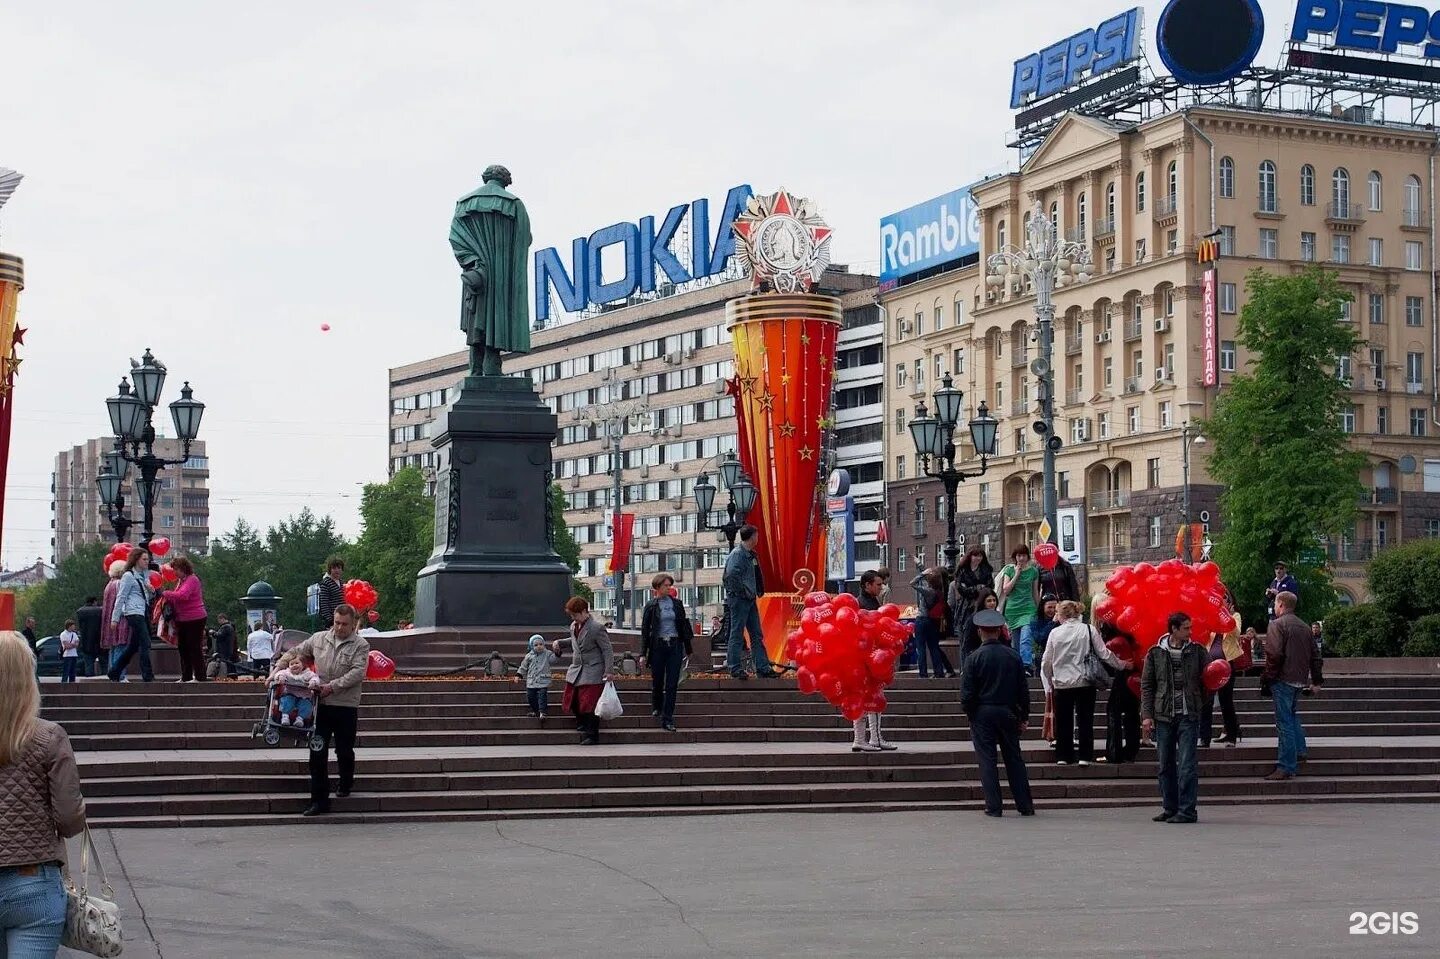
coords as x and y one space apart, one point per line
159 546
120 552
360 594
846 653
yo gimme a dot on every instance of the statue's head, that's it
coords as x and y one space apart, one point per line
498 173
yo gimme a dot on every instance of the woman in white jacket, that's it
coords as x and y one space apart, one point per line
1063 672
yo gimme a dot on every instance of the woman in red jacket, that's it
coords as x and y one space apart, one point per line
188 603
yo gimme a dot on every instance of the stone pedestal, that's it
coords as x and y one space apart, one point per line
493 563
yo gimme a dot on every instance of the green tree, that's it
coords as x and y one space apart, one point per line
236 560
397 538
1288 473
78 577
295 550
1405 580
565 544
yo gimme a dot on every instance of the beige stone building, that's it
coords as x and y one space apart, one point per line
668 357
1282 191
182 506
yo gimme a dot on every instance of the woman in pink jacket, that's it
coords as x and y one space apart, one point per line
189 606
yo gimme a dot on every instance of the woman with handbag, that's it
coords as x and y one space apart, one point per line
591 660
930 624
1072 669
132 604
40 796
1235 649
114 637
188 601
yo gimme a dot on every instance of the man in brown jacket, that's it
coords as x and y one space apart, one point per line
341 656
1292 667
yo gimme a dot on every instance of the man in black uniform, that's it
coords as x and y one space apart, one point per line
995 694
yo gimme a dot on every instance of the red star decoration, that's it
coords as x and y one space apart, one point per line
767 401
732 387
19 337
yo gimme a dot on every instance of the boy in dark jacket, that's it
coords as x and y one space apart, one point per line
1172 700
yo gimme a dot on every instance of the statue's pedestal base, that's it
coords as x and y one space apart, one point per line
493 564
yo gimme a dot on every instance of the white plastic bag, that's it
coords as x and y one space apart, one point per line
609 705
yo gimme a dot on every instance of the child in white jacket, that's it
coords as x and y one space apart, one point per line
535 670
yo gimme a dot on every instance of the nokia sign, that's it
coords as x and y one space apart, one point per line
928 234
645 247
1088 53
1368 25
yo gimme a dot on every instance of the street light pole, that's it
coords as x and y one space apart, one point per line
935 445
1049 262
1188 438
613 417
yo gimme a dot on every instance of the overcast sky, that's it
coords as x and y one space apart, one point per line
217 181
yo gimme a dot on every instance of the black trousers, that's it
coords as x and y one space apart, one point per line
1226 695
1122 723
666 659
339 723
1068 704
588 724
993 726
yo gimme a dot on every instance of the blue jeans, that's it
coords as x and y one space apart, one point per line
745 617
139 644
538 698
67 668
1179 774
32 912
1287 724
1021 642
115 654
300 707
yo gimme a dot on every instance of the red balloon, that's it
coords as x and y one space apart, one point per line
846 618
876 702
816 599
1121 647
1047 556
379 666
1130 620
1134 683
805 680
1119 581
846 601
168 574
1143 571
852 710
1106 609
1224 621
1217 674
360 594
159 546
1173 566
155 579
1208 573
373 616
889 610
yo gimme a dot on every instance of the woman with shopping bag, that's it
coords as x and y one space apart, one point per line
591 660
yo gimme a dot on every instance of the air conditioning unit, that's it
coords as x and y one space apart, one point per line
607 374
575 415
677 430
991 296
1082 430
644 472
675 467
1102 337
1162 326
690 353
1380 384
575 482
720 387
672 358
1162 375
905 326
645 541
636 365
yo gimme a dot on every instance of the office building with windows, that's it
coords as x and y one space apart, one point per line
1279 191
182 508
666 361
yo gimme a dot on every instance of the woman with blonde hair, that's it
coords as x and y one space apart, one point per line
40 789
1064 671
113 636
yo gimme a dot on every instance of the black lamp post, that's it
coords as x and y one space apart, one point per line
935 445
132 421
742 498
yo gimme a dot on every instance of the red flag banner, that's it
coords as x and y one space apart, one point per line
620 543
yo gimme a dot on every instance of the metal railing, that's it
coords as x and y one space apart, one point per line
1020 407
1350 212
1166 206
1019 358
1379 496
1134 329
1076 234
1109 499
1267 204
1104 227
1412 218
1074 344
1074 397
1111 555
1133 385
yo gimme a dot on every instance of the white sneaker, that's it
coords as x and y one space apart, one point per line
179 681
1084 762
284 720
1062 762
124 679
192 680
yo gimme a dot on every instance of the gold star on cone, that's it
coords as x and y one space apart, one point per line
767 401
787 429
806 453
784 379
804 339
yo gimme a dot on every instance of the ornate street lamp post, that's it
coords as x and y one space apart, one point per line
935 445
742 498
132 417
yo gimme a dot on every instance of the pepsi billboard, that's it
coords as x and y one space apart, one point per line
928 234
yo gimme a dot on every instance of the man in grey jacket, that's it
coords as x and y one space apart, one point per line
1172 700
1293 667
740 605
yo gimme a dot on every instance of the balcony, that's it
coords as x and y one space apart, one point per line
1344 215
1020 407
1379 496
1414 220
1352 551
1133 385
1134 329
1077 234
1104 229
1166 208
918 529
1111 555
1074 343
1027 510
1267 206
1019 358
1074 397
1109 499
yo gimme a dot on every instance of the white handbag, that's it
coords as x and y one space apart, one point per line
92 922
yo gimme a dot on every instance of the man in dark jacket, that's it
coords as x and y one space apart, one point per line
872 586
666 639
87 623
1061 583
1172 700
1292 667
995 694
1282 583
742 592
332 594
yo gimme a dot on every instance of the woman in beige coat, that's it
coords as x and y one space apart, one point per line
42 806
591 660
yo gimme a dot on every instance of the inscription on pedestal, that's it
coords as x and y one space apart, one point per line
501 504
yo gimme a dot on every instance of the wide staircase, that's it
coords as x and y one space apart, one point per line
163 754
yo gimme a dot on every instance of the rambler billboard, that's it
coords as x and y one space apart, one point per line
928 234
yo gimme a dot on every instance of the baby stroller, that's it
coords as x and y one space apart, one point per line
289 713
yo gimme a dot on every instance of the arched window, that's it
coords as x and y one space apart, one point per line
1377 191
1412 201
1140 192
1080 215
1172 181
1227 177
1110 204
1055 216
1307 185
1340 192
1268 202
1000 236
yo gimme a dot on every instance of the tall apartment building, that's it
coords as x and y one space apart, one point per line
671 355
182 510
1284 191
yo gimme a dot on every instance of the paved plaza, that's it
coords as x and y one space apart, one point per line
1279 882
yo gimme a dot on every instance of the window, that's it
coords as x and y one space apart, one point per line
1347 419
959 312
1062 484
900 559
1140 192
1343 369
1132 416
1377 251
919 556
1170 301
1227 297
919 323
1414 311
1137 364
1169 364
1110 204
1376 191
900 467
1307 185
999 396
1152 473
1165 415
1414 255
1227 241
1432 528
1227 356
1268 202
1140 254
900 422
1103 422
1340 248
1080 215
901 377
168 521
984 495
919 518
1269 244
939 319
939 372
1154 531
957 362
1340 191
900 326
1377 360
1078 428
1108 368
1382 420
1227 177
1022 440
1414 371
1377 307
919 375
1413 206
1417 422
1172 181
1345 311
1000 235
